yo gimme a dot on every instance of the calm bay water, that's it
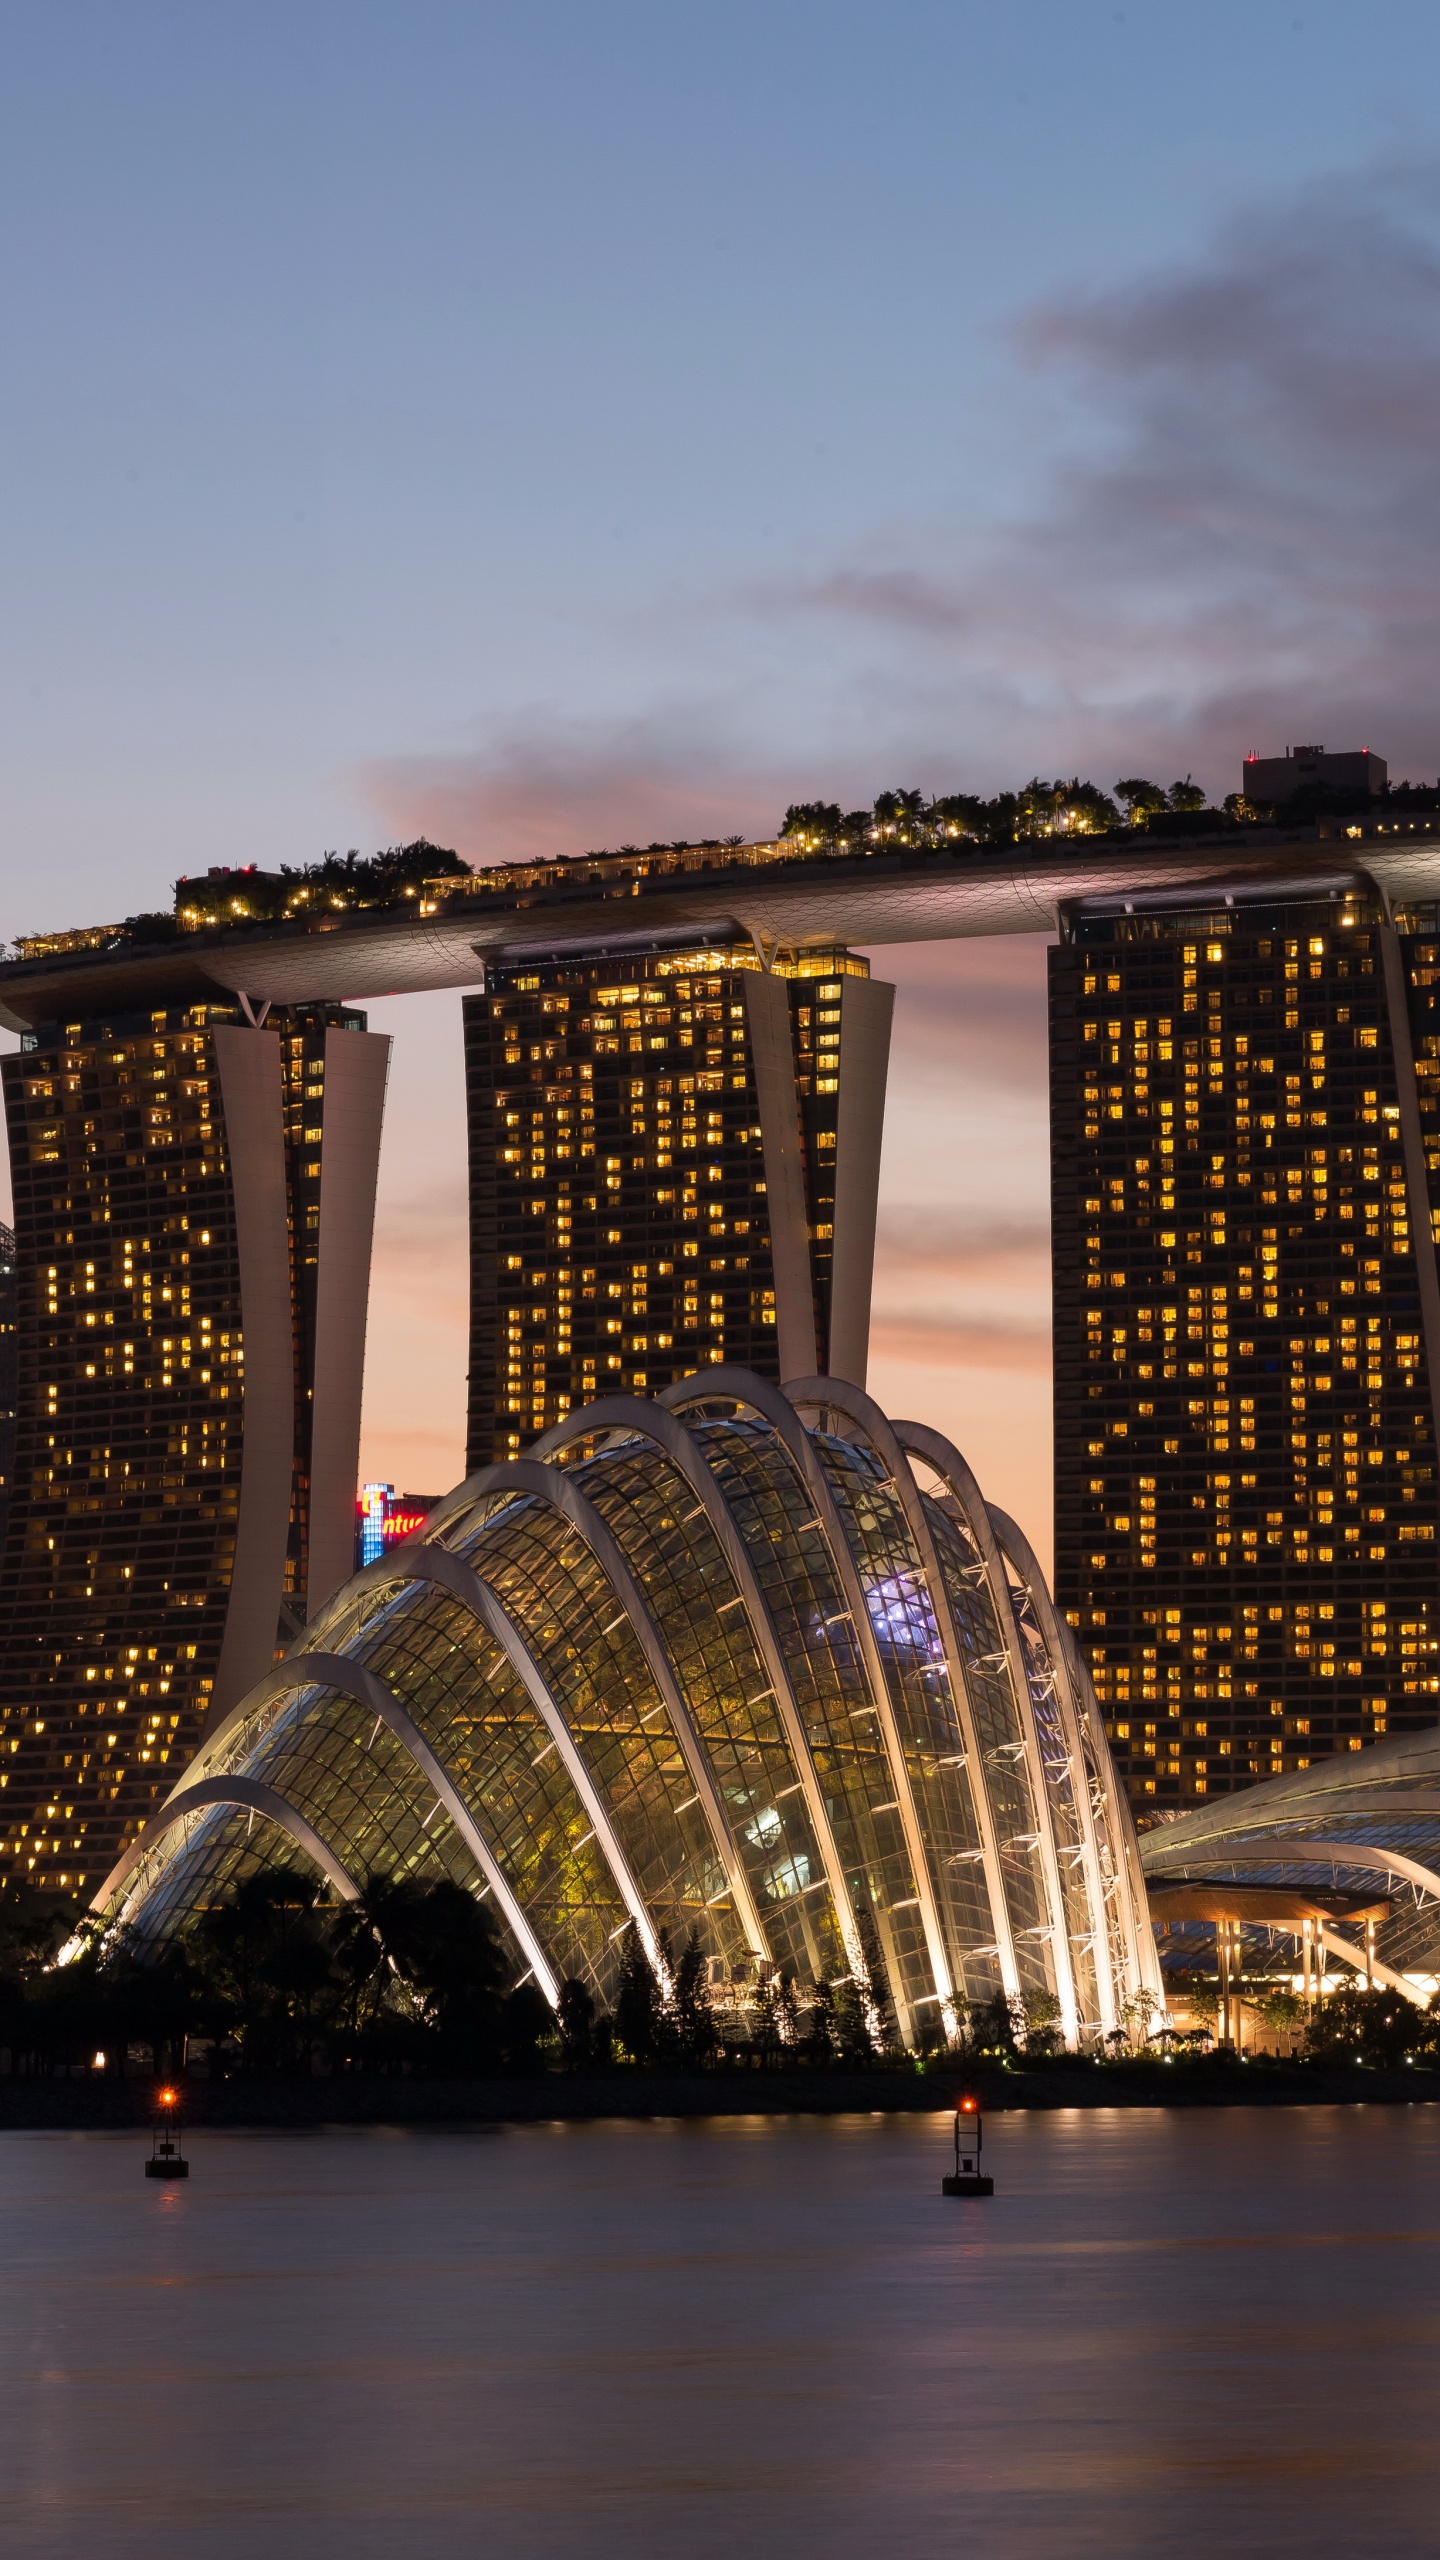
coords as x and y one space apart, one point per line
1168 2334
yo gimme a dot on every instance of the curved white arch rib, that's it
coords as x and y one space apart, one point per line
1017 1552
940 1600
441 1567
1364 1962
1138 1936
840 1396
552 1486
1300 1850
242 1792
665 1432
737 1386
352 1680
942 1455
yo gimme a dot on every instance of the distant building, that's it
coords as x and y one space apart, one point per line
1245 1151
383 1518
674 1161
1269 781
194 1194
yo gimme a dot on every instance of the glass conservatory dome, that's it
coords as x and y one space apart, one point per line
755 1665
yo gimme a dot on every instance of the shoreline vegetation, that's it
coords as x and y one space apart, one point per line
279 2005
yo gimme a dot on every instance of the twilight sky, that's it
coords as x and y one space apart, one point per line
544 426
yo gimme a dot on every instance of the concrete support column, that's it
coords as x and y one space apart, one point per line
356 1066
248 1067
867 1007
772 1050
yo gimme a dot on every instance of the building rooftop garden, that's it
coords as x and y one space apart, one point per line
425 877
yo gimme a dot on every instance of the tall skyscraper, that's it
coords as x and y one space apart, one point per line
674 1161
9 1369
1245 1151
194 1195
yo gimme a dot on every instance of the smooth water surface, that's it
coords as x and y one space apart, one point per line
1167 2334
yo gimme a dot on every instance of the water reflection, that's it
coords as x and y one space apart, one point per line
1168 2334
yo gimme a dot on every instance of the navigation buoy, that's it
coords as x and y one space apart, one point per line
967 2180
167 2158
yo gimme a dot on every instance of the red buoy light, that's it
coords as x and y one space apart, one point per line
167 2154
968 2178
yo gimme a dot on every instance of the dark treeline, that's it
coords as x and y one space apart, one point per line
337 880
1352 2023
276 1978
1073 807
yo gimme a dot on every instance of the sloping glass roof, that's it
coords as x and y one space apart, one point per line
1361 1822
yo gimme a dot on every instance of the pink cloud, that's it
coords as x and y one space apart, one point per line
946 1342
563 786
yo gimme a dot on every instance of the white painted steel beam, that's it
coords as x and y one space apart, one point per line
738 1386
553 1487
953 1470
419 1562
664 1431
235 1791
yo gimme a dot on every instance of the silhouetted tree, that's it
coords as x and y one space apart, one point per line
577 2024
812 818
267 1958
1367 2026
1142 799
695 2032
526 2021
454 1959
874 1984
639 2004
821 2034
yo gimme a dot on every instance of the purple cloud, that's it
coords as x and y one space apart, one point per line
1248 550
1240 547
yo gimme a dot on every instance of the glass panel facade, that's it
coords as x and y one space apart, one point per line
676 1558
986 1671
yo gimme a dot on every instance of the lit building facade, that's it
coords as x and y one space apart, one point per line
674 1162
758 1668
1244 1149
9 1368
193 1202
384 1517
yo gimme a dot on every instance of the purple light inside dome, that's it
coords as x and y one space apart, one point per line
900 1613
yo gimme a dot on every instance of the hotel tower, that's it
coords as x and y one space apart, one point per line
194 1195
674 1162
1246 1176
